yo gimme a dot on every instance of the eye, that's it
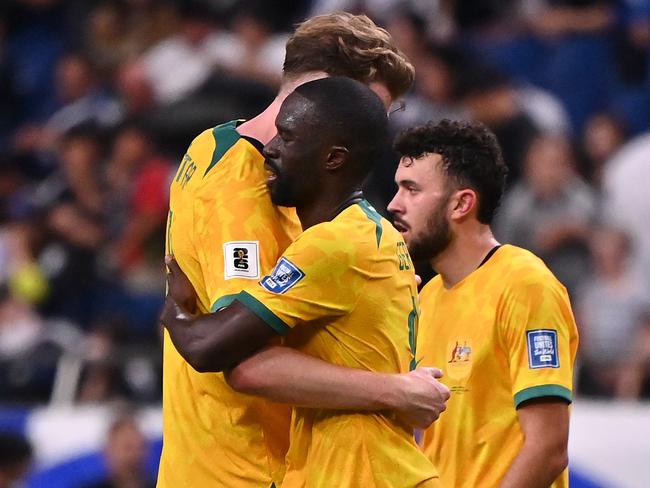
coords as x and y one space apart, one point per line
286 137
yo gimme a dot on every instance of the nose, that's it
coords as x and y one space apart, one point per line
395 206
270 150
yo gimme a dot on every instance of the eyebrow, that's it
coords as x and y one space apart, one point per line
407 183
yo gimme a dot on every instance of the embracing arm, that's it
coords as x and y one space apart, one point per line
285 375
229 338
215 341
543 457
223 340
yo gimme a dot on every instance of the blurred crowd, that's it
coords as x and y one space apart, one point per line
100 99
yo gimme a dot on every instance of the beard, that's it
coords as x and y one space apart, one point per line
281 188
282 193
434 239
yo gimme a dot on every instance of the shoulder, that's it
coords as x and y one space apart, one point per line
528 285
521 268
353 236
202 146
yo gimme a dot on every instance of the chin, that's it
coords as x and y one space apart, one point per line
281 200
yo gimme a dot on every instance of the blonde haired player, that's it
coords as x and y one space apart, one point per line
225 234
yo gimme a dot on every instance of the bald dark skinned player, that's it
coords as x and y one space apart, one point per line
343 292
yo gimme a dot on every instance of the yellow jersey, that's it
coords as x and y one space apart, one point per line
502 336
345 292
225 234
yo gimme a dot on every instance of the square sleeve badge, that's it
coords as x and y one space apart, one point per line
542 349
241 260
285 275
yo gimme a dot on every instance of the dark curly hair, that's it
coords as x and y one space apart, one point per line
471 157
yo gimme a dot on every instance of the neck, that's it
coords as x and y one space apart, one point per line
464 254
262 126
325 208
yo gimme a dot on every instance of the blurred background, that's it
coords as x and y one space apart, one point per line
100 98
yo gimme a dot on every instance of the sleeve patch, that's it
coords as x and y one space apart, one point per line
284 276
241 260
542 349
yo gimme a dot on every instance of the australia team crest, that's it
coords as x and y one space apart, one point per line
459 360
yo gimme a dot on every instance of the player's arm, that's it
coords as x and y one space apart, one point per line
539 332
218 341
285 375
215 341
543 456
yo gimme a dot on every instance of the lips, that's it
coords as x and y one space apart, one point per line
400 225
271 169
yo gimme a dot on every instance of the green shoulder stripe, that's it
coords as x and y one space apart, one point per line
259 309
373 215
223 301
225 137
542 391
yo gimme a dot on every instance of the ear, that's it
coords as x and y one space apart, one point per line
337 158
463 204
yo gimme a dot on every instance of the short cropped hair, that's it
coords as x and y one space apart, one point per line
350 114
471 157
342 44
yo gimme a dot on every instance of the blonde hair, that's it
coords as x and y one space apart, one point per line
343 44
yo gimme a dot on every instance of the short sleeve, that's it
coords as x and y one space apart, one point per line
319 277
540 337
233 253
238 233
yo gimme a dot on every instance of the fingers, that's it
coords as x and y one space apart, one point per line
167 311
172 265
435 372
418 279
445 391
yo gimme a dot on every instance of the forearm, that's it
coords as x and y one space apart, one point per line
536 466
285 375
188 334
217 341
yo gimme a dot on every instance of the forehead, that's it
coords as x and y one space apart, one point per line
424 170
295 111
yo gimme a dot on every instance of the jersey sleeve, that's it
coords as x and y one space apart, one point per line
233 253
540 337
319 277
238 233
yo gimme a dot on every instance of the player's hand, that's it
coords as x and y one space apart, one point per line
179 287
171 312
422 397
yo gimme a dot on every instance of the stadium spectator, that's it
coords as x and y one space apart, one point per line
550 211
610 307
191 54
137 178
625 187
125 454
16 454
117 32
634 380
603 135
490 96
81 100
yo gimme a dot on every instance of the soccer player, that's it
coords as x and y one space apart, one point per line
226 234
495 318
344 291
